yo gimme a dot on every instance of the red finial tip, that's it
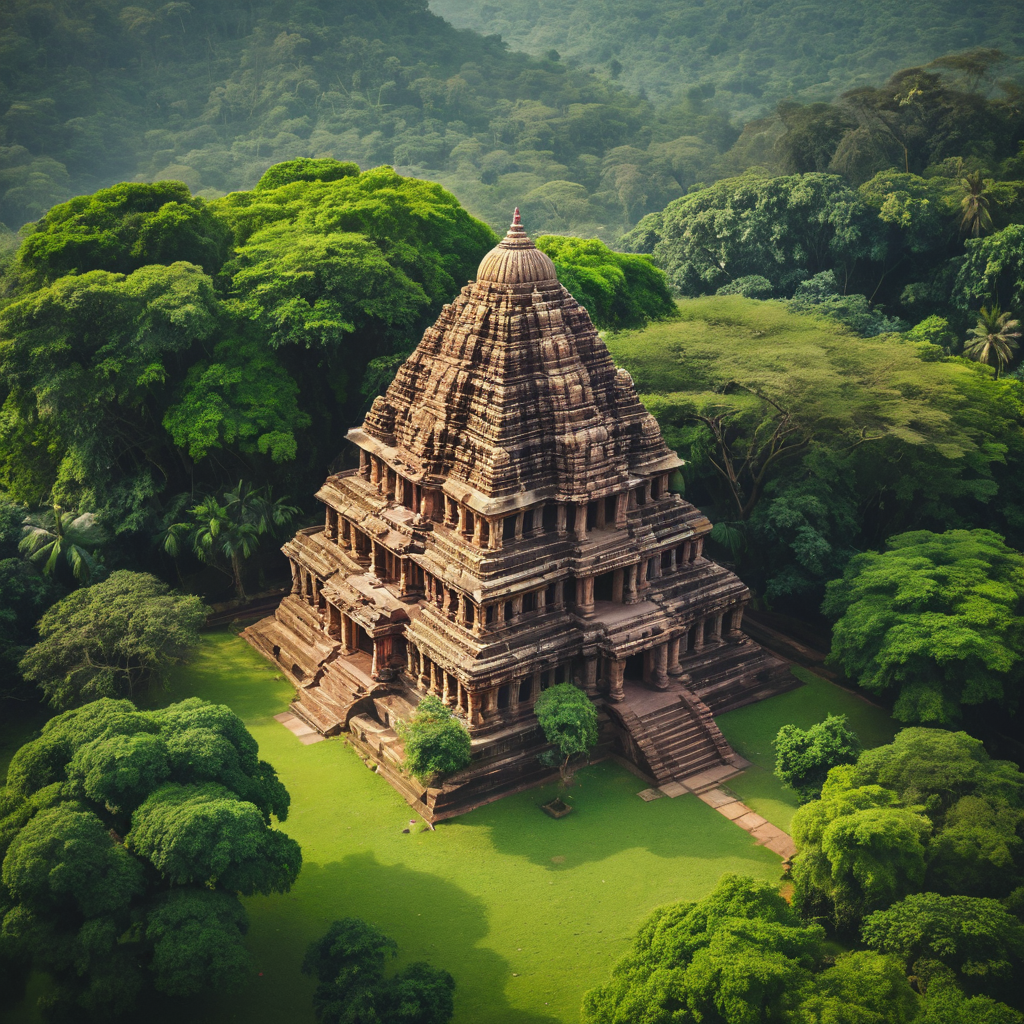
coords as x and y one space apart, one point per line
516 222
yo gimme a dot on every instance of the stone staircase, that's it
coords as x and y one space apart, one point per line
674 736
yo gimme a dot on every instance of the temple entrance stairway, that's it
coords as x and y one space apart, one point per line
329 684
672 736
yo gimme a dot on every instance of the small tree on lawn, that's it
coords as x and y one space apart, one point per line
569 721
803 757
436 742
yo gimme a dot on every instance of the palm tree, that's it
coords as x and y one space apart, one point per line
57 536
231 530
975 215
994 339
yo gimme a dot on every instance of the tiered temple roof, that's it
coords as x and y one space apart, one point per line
511 526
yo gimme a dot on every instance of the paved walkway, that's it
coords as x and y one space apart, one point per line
766 834
305 733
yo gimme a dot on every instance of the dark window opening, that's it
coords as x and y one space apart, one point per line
549 595
649 575
560 674
508 528
656 487
527 522
666 559
508 610
525 689
365 644
545 680
570 590
609 509
635 667
641 496
571 511
503 695
529 602
591 514
490 614
603 586
549 518
470 614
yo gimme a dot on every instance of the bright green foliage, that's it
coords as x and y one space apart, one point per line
59 540
305 169
803 757
784 229
816 443
436 742
739 955
821 295
242 397
348 963
862 988
935 621
112 639
992 270
619 291
977 939
929 811
122 229
125 836
569 720
946 1004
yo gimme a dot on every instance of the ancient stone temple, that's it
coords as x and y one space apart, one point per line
511 526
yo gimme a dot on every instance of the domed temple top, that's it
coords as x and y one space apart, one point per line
516 260
511 397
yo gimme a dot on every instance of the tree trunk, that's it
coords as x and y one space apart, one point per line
236 571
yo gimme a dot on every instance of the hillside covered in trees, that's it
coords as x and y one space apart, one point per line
212 94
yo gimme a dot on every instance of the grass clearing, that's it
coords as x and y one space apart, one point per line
751 731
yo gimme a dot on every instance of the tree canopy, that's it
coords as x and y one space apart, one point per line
126 837
803 757
934 621
436 743
114 638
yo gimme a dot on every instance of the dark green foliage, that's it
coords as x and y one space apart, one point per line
618 290
349 961
977 939
112 639
821 295
908 816
436 742
934 621
803 757
125 837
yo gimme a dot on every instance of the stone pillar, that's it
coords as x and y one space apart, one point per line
631 596
581 521
473 708
736 629
478 530
519 526
517 609
647 492
621 501
560 518
296 581
699 551
642 582
559 602
617 582
478 619
446 692
656 565
585 601
698 637
403 576
541 600
434 687
672 560
659 673
364 464
674 668
616 670
333 621
449 511
400 486
716 628
375 471
375 664
599 519
497 533
535 683
590 675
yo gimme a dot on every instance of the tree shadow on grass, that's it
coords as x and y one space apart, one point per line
430 918
608 818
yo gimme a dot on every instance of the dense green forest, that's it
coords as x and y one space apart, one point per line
744 53
213 94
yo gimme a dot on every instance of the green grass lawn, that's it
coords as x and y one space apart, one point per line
527 913
752 729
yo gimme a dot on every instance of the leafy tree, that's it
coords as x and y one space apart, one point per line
120 875
994 339
569 720
112 639
782 228
821 295
992 270
348 963
803 757
934 621
862 988
58 538
618 290
231 530
977 939
436 742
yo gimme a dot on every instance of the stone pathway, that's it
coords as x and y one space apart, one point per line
766 834
304 732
